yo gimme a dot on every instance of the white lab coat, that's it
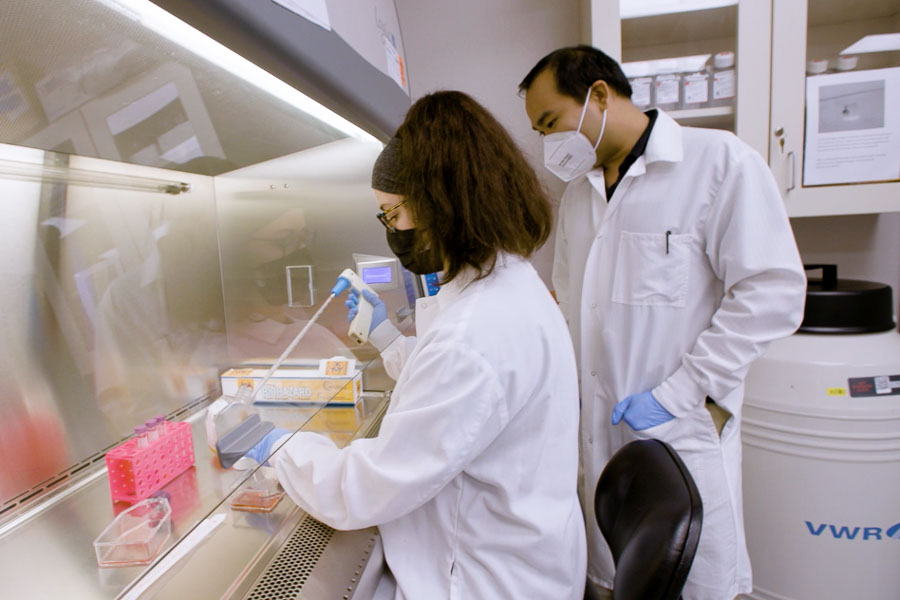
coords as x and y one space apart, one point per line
676 286
472 478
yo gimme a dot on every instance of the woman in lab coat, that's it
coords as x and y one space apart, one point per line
472 478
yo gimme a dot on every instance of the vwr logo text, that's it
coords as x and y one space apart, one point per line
844 532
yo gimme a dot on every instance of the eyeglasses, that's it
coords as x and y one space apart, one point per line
388 221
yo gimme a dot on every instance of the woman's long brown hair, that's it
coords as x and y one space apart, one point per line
468 186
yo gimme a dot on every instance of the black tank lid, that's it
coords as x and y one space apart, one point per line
846 306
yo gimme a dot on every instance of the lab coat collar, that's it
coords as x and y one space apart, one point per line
664 145
665 141
451 290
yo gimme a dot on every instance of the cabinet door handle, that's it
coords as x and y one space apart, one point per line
793 170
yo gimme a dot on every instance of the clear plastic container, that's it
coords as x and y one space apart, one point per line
136 535
667 85
694 80
695 90
140 436
226 413
152 431
260 493
723 83
641 81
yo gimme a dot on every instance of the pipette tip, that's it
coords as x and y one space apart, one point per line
341 286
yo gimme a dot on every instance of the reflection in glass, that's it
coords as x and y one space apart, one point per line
262 321
145 88
111 313
113 304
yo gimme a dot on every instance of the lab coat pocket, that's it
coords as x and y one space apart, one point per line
657 432
652 269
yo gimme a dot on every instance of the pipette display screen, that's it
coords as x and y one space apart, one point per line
376 275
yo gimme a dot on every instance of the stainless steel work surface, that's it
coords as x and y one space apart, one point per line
49 552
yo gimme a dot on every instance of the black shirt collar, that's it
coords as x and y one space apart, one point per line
639 147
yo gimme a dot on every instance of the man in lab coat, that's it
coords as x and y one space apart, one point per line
675 266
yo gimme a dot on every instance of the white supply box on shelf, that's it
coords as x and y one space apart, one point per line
335 382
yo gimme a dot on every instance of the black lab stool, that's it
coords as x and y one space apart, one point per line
650 513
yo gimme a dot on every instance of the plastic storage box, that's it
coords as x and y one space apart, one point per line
136 535
135 473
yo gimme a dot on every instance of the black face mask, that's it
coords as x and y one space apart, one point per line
402 243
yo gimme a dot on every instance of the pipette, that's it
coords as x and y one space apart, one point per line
234 445
290 347
237 442
359 326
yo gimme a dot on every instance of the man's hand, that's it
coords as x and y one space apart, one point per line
641 411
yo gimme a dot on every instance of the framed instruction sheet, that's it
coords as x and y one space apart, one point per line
852 127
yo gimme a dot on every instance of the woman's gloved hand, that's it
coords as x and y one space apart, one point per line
263 448
641 411
379 310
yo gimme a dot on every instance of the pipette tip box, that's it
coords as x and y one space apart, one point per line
296 386
135 473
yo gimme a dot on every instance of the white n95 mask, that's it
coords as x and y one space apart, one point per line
569 154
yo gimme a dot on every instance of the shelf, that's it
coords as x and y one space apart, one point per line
715 117
847 199
631 9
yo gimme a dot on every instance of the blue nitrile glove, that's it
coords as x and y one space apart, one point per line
263 448
379 310
641 411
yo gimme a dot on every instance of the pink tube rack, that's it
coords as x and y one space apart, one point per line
135 473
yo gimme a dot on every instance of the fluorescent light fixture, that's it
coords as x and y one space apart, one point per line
882 42
39 172
629 9
174 29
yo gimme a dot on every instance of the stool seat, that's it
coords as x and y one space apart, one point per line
650 513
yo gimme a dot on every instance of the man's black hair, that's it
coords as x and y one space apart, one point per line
576 68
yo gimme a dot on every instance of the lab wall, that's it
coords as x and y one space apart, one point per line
485 49
863 247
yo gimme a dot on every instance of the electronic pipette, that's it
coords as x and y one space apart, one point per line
239 440
359 326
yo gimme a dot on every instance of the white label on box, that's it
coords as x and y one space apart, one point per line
640 91
696 89
667 91
723 85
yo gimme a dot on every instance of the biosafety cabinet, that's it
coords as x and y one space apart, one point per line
181 183
815 80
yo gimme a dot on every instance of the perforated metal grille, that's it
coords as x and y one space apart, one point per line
288 572
291 567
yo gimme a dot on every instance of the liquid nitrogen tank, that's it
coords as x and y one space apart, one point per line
821 442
